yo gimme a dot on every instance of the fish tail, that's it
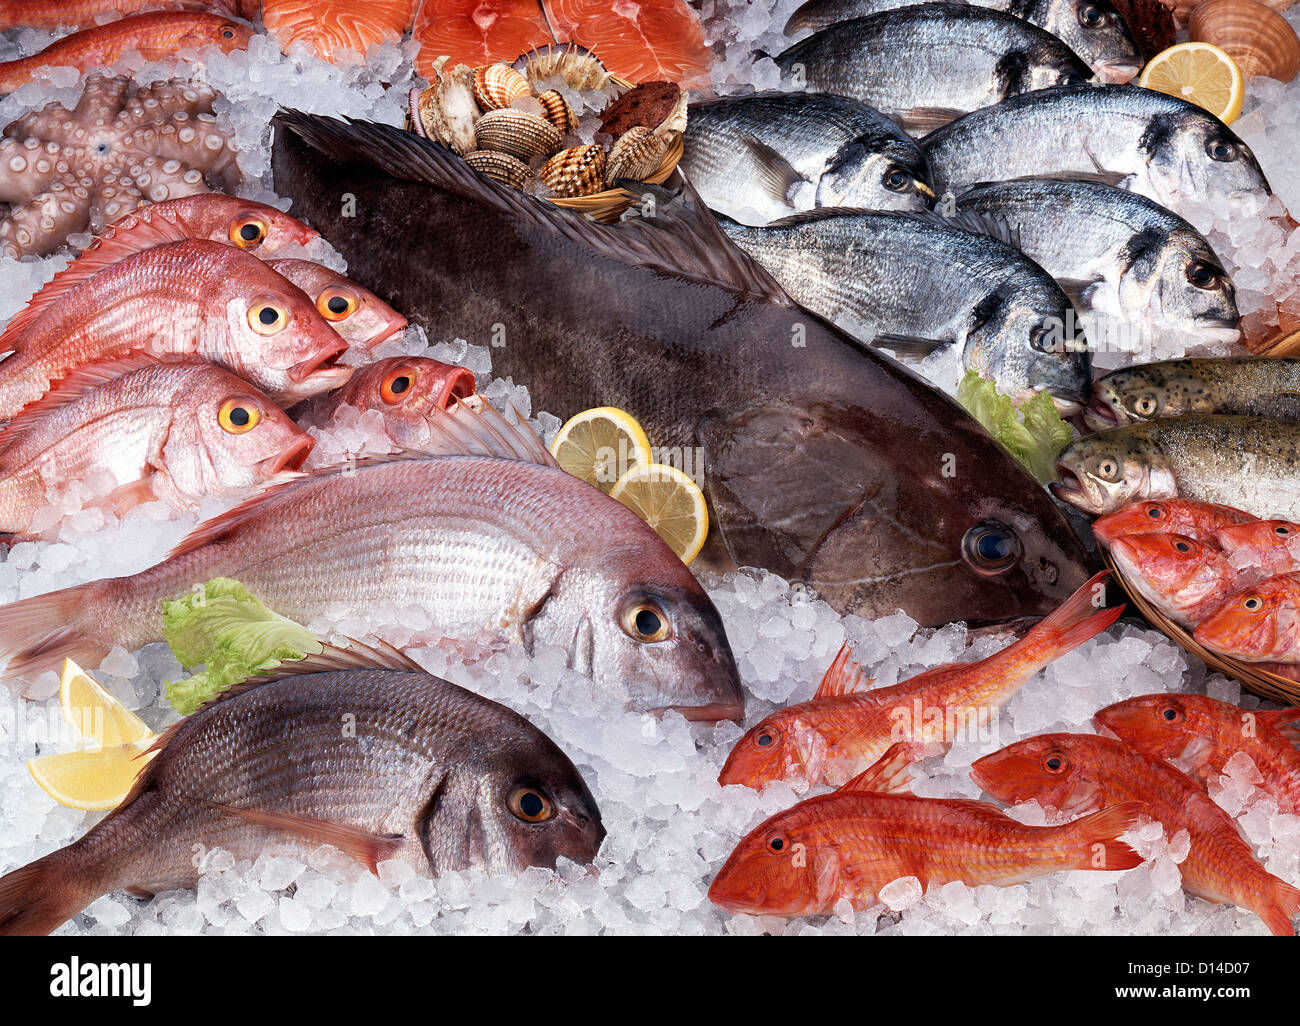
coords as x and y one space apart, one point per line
1077 619
42 896
1280 910
1098 835
38 633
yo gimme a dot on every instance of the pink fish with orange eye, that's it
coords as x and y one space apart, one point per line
1191 518
1268 546
361 317
1183 578
1259 623
1078 772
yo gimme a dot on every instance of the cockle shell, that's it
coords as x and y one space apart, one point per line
501 166
557 111
636 154
499 85
518 133
1260 40
579 171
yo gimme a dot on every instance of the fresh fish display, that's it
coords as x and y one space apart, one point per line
1267 386
54 14
1119 253
362 318
1204 734
814 450
1164 148
1201 521
498 552
1248 462
930 63
847 845
910 282
1258 624
780 153
175 430
1268 546
337 29
641 40
156 35
1184 579
192 296
463 783
1091 28
1078 772
828 739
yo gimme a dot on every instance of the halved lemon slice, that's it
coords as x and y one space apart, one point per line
1200 73
94 713
91 780
600 445
670 502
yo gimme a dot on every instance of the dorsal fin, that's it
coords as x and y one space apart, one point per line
223 523
843 677
475 427
888 774
681 238
144 234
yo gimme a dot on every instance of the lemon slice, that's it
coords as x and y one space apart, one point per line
91 780
1200 73
600 445
668 501
94 713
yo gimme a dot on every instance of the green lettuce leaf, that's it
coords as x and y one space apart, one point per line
1034 434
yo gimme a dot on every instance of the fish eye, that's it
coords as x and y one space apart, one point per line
238 416
1183 546
531 805
249 231
777 844
1202 275
646 622
1155 512
227 33
1146 406
767 737
1054 763
1046 338
1170 713
1222 150
267 316
1107 468
336 302
395 386
1091 16
991 547
897 180
1253 602
1282 530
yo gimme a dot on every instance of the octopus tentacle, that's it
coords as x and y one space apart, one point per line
39 226
162 100
102 97
26 168
115 196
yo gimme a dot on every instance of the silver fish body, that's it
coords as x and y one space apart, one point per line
1267 386
776 154
1091 28
1129 257
892 274
918 61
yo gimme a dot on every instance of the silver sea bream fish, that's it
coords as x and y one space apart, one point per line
776 154
1091 28
914 282
929 63
1117 252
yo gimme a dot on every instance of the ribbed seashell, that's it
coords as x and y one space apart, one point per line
446 111
637 154
501 166
518 133
576 65
579 171
557 111
1259 39
499 85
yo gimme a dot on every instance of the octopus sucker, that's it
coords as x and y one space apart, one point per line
120 146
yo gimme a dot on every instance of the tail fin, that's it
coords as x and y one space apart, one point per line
1076 620
1280 912
1098 835
42 896
38 633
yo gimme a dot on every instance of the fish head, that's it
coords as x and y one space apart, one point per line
362 318
1192 155
263 230
774 749
1059 770
781 868
1190 517
1161 726
407 385
1097 32
227 438
876 172
1103 472
1173 571
1135 394
1259 538
1045 64
225 33
1257 623
1177 278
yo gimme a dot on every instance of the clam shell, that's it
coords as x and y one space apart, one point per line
499 85
446 111
557 111
579 171
575 65
1259 39
518 133
501 166
637 154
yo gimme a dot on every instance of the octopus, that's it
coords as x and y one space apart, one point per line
69 171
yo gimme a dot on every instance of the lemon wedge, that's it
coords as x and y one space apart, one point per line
95 714
670 502
601 444
1200 73
91 779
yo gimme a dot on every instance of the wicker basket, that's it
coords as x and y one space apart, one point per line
1262 683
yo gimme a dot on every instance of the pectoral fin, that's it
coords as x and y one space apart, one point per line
776 175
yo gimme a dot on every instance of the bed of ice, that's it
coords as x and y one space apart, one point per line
670 825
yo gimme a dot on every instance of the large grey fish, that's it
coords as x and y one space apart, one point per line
1267 386
1167 149
496 551
931 283
1251 463
929 63
1091 28
1120 253
779 153
426 772
822 461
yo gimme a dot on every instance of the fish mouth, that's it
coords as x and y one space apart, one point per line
1100 415
1117 72
323 360
1070 488
1066 408
714 712
291 458
392 332
1213 328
